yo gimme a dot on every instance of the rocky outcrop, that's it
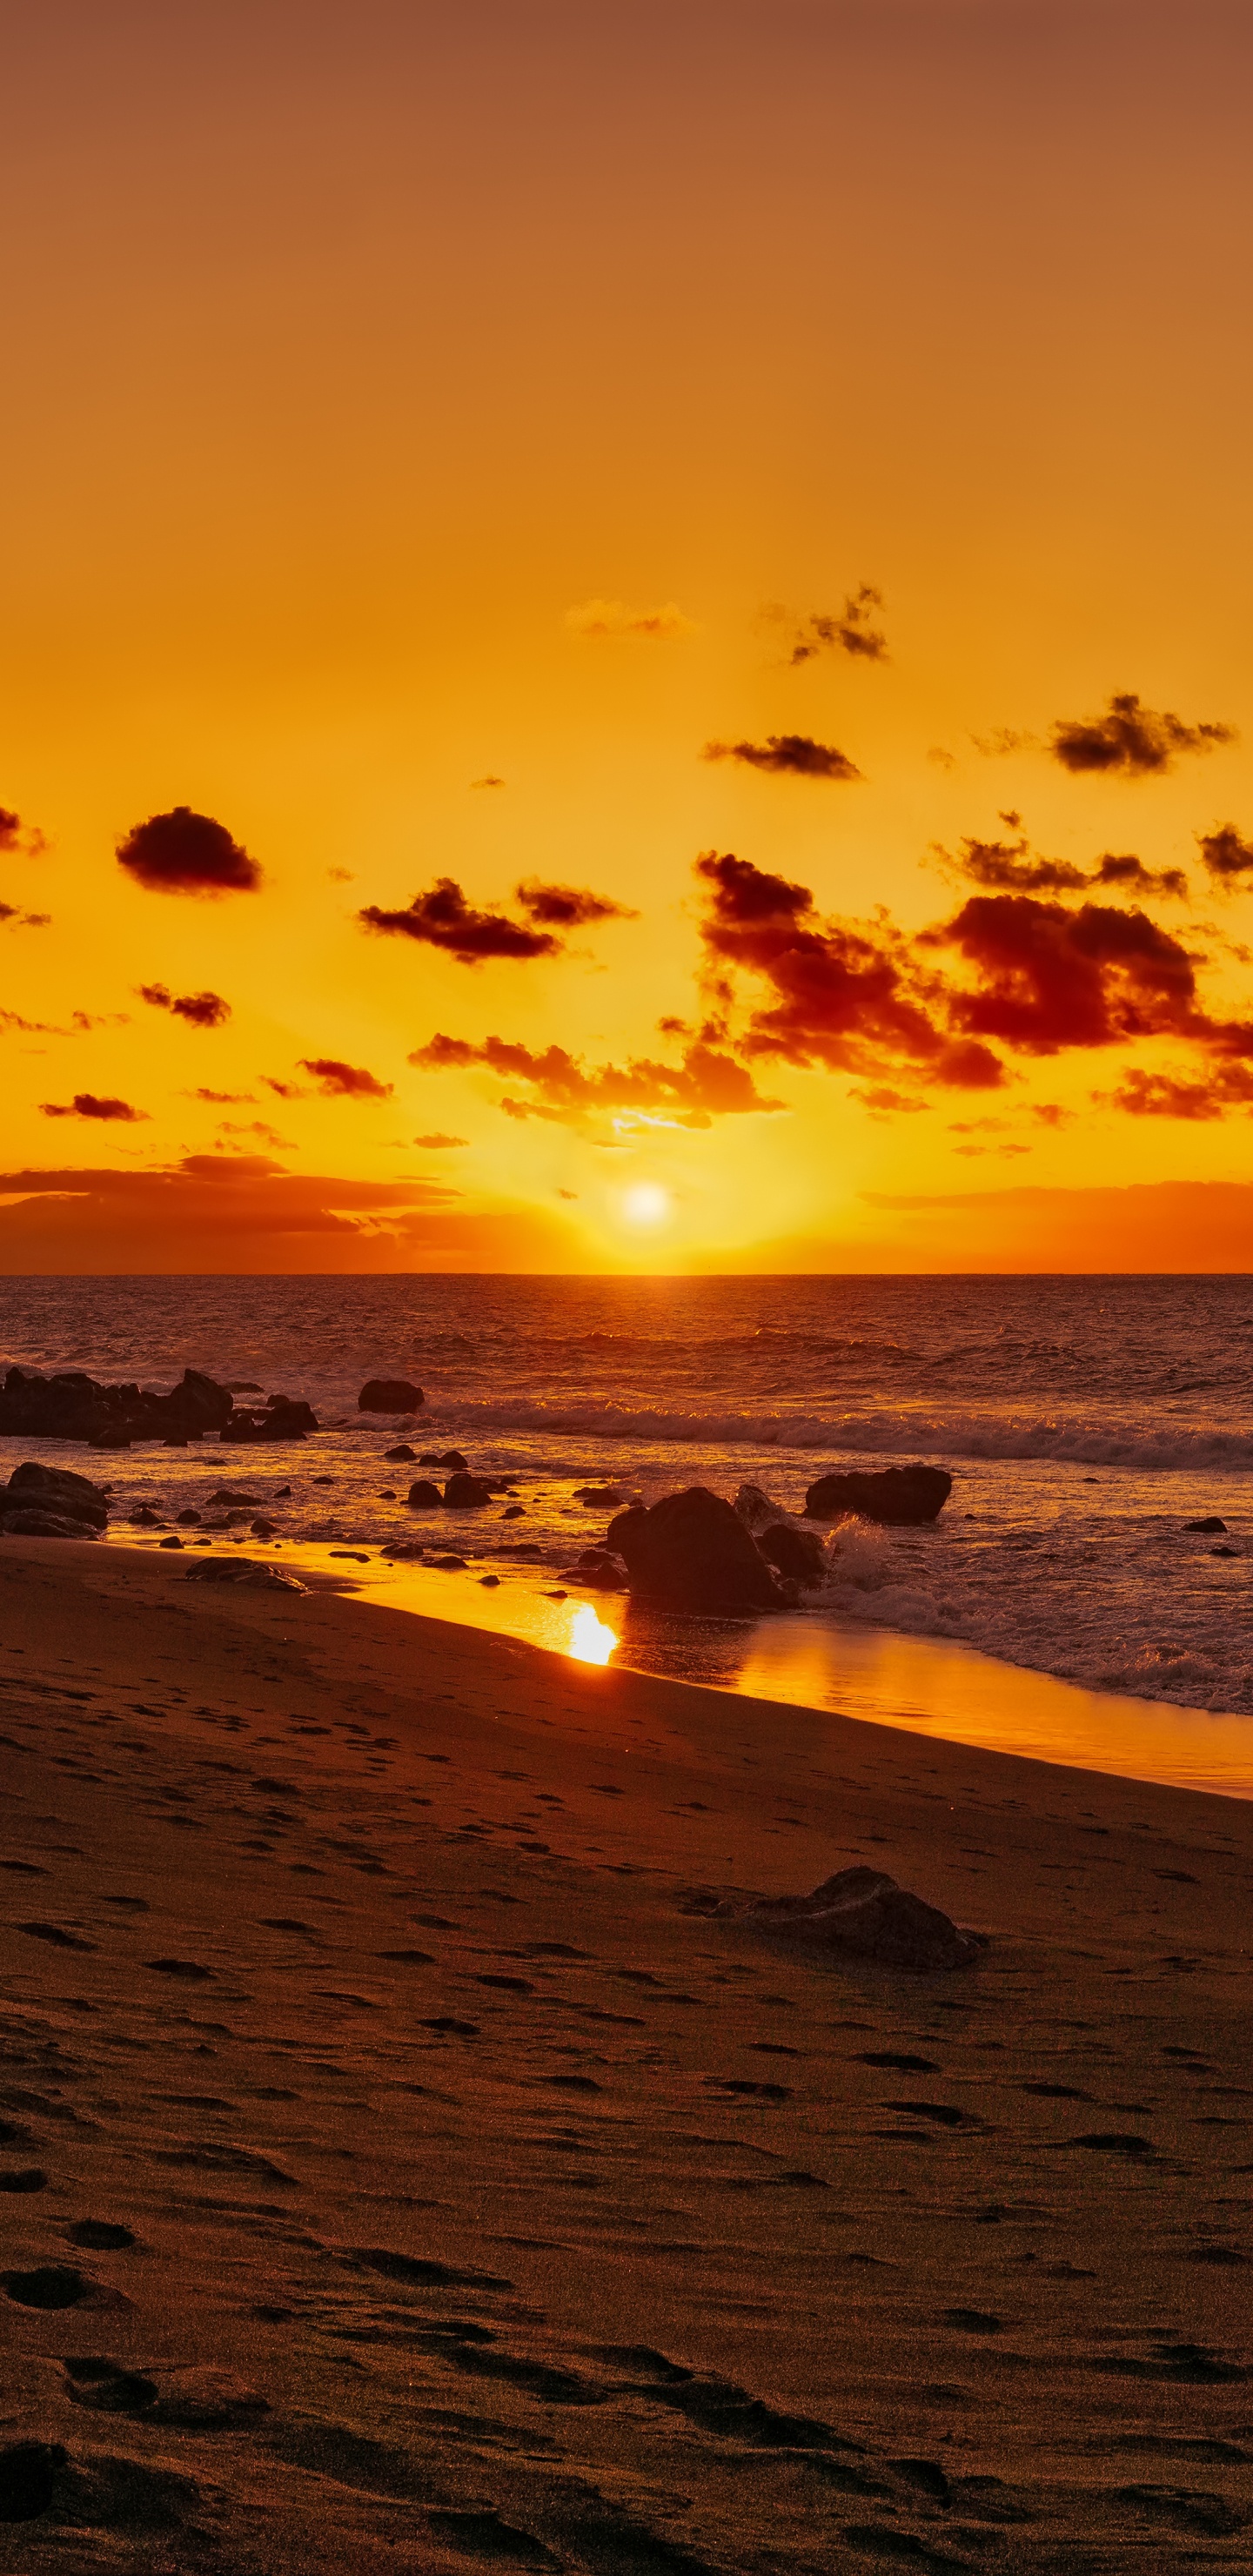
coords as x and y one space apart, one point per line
72 1406
894 1496
464 1493
284 1418
863 1914
51 1502
389 1395
692 1552
598 1570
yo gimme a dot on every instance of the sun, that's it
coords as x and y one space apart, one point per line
646 1203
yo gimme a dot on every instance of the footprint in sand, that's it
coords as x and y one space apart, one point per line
456 2029
19 2178
50 2285
190 1969
56 1934
100 2236
28 2477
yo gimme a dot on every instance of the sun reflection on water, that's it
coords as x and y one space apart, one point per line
591 1642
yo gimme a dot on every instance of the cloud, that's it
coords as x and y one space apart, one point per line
1002 744
442 918
567 1194
708 1084
598 618
850 997
285 1090
490 781
341 876
18 920
883 1101
1050 978
201 1010
1010 867
1130 741
1226 856
32 1028
338 1081
1164 1095
18 839
438 1144
853 631
794 755
253 1127
223 1099
186 853
563 907
85 1104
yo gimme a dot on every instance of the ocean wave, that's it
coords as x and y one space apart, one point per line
1102 1443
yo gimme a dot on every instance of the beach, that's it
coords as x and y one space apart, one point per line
422 2176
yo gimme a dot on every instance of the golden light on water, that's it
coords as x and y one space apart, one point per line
591 1642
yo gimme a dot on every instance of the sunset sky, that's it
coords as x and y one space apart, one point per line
697 556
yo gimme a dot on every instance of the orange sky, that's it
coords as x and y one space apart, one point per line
401 399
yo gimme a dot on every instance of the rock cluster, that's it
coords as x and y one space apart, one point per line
863 1913
49 1502
895 1496
72 1406
692 1552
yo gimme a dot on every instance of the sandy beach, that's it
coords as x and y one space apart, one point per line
400 2171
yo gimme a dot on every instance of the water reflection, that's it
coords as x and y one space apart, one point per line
591 1642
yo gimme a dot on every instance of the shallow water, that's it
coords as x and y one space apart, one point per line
1084 1421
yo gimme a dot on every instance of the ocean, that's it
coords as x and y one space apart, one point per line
1084 1421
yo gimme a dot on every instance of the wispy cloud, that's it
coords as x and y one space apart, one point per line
1130 740
19 839
338 1081
439 1144
566 907
708 1084
596 619
86 1104
200 1010
852 630
794 755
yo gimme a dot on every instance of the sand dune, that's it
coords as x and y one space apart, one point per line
400 2170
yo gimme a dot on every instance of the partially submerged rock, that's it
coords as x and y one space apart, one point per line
864 1914
692 1552
598 1570
895 1496
70 1405
284 1418
797 1553
51 1502
243 1569
464 1493
423 1496
389 1395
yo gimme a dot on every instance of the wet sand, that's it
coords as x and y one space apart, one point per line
424 2181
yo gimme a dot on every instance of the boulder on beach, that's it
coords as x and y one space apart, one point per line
54 1489
36 1523
70 1405
797 1553
389 1395
243 1569
423 1496
598 1570
691 1552
863 1913
895 1496
464 1493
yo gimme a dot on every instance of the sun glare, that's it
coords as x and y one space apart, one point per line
647 1203
591 1642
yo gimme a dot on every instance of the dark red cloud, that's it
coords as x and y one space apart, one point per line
708 1084
85 1104
1012 867
285 1090
851 997
442 918
1226 855
1163 1095
1130 740
338 1081
1051 978
202 1010
10 912
18 839
853 631
563 907
186 853
794 755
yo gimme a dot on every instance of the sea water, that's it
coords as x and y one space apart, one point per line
1084 1422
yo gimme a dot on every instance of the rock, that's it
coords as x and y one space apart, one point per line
283 1419
169 1542
35 1523
227 1494
72 1406
489 1581
598 1571
1211 1527
864 1913
691 1552
450 1564
144 1518
894 1496
423 1496
187 1520
755 1509
261 1528
242 1569
797 1553
387 1493
450 1458
516 1512
403 1456
1224 1551
404 1549
389 1395
465 1493
604 1498
55 1489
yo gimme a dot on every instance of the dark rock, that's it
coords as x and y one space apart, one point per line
261 1528
186 1520
389 1395
465 1493
72 1406
227 1494
429 1458
39 1524
387 1493
605 1498
894 1496
864 1913
516 1512
423 1496
242 1569
283 1419
169 1542
1212 1527
449 1458
794 1552
55 1489
1224 1551
450 1564
598 1571
145 1517
489 1581
403 1456
691 1552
